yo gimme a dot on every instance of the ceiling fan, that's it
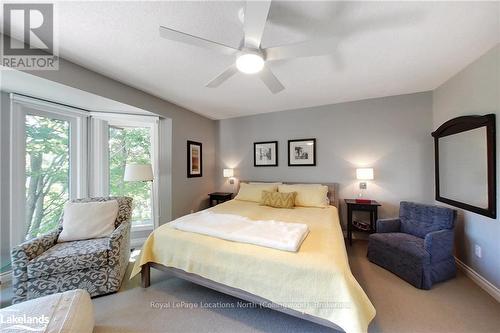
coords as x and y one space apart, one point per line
250 57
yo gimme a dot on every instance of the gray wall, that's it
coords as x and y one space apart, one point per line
187 193
390 134
475 90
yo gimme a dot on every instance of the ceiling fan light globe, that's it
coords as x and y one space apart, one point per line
250 63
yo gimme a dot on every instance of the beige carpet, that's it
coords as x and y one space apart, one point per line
454 306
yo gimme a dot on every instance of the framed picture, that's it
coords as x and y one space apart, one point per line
265 153
194 159
302 152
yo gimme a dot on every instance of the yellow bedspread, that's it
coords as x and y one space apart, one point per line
315 280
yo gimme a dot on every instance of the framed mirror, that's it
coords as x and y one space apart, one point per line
465 163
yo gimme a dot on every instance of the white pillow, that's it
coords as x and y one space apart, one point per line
253 192
87 220
308 195
265 183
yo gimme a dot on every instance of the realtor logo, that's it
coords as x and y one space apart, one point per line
28 36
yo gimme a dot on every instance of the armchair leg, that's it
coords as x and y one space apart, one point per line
145 275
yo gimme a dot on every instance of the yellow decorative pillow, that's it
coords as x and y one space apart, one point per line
308 195
278 200
253 192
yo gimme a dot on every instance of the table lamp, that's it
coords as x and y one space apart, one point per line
363 174
138 173
229 173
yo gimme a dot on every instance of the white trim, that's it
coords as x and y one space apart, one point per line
479 280
156 167
6 277
121 113
142 227
99 158
17 172
164 176
49 106
124 119
79 137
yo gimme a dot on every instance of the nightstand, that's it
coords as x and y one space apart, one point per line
353 205
219 197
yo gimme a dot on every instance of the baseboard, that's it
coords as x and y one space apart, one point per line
5 277
479 280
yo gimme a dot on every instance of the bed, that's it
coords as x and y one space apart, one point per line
314 284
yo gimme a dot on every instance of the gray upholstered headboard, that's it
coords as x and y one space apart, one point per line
333 188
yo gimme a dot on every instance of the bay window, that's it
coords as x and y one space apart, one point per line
59 153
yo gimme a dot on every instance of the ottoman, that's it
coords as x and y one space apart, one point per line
66 312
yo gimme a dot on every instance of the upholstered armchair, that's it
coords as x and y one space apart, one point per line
417 246
41 266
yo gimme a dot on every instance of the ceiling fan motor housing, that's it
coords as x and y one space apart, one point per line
250 61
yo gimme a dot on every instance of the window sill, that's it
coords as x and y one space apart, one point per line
142 227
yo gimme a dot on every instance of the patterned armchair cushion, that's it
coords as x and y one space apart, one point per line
419 219
70 256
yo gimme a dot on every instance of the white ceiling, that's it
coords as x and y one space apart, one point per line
386 48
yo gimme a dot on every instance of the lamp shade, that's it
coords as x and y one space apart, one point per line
228 173
364 173
138 172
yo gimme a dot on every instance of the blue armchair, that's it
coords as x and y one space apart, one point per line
417 246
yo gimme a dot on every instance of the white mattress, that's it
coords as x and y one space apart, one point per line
66 312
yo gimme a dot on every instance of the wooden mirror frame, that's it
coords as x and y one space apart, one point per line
463 124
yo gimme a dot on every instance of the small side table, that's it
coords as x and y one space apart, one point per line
219 197
371 207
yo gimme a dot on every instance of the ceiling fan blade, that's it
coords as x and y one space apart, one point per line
304 49
270 80
196 41
219 79
255 18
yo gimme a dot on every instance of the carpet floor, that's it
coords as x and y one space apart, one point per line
174 305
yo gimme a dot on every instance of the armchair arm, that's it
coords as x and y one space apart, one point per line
388 225
119 234
22 254
34 247
439 244
119 242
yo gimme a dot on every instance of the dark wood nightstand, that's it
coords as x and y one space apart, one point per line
353 205
219 197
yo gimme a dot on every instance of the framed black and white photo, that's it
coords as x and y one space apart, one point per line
265 153
302 152
194 159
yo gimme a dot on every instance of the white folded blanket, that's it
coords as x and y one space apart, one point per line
274 234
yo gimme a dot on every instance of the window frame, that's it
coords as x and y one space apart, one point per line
84 180
20 107
101 157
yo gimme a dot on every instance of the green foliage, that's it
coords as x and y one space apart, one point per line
130 145
47 173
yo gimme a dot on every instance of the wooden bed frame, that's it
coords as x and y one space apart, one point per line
235 292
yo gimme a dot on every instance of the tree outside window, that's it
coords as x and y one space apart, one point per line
128 145
47 173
